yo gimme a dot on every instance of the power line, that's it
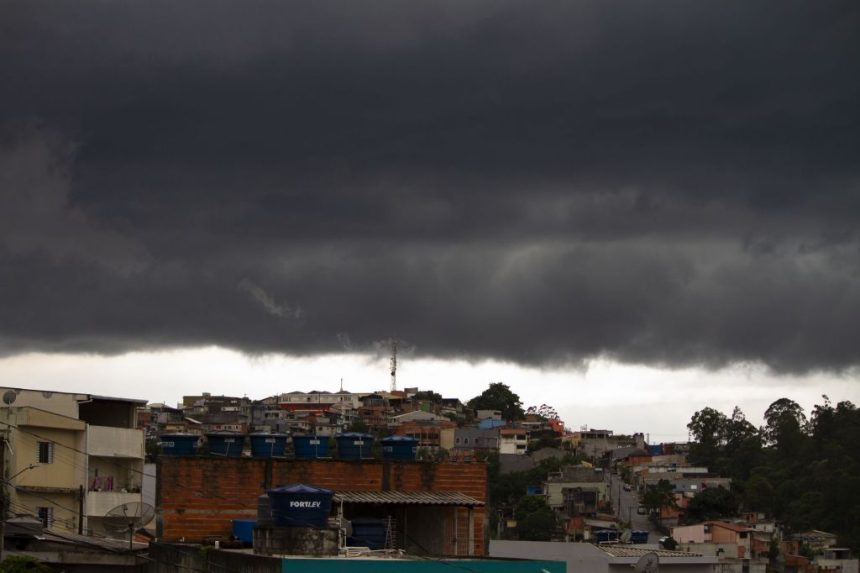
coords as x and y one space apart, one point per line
30 432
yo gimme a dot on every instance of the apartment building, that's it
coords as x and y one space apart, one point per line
69 458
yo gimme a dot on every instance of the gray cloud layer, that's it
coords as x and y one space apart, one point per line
670 183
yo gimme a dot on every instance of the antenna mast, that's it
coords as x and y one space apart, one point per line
393 364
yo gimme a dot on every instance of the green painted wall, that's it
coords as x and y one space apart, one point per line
425 566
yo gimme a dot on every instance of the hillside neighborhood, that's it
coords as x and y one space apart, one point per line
108 483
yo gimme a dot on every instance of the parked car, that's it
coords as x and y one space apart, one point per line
627 487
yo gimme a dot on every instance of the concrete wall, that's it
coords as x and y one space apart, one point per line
68 468
585 557
198 496
555 497
57 402
170 558
119 442
579 557
689 533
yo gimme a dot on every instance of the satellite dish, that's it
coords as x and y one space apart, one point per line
125 519
648 563
9 397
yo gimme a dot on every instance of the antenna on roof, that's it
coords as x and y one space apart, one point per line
648 563
127 518
393 364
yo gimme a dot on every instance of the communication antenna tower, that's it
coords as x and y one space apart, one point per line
393 364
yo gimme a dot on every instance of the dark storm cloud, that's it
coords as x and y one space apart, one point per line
670 183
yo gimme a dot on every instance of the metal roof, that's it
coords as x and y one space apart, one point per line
407 498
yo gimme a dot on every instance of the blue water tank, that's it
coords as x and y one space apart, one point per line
655 449
300 505
367 532
399 448
638 536
225 444
178 444
354 446
243 530
308 446
606 535
264 445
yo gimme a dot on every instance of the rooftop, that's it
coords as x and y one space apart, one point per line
407 498
632 551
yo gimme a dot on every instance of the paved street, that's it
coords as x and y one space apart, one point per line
625 504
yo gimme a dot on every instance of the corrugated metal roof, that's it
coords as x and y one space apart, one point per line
407 498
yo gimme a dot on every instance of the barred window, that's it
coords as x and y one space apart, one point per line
46 515
45 453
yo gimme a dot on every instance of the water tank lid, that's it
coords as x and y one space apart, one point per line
299 488
354 435
398 439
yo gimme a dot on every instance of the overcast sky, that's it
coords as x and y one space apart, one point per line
526 189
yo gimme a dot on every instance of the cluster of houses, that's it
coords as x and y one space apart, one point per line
73 462
439 424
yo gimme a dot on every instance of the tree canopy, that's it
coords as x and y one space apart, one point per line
804 472
535 520
499 397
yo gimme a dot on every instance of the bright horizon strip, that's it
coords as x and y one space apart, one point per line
605 395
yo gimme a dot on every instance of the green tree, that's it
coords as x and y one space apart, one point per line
535 520
708 428
758 494
712 503
659 495
743 447
499 397
784 423
805 474
428 395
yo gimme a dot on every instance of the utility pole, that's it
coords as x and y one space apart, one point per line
393 364
3 494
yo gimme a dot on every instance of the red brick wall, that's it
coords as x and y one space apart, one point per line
198 496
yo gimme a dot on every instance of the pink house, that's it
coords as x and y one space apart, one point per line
718 533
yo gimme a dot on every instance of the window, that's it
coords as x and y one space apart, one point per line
45 454
46 515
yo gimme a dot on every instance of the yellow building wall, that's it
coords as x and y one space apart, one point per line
68 469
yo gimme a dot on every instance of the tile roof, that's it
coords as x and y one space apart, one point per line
739 527
407 498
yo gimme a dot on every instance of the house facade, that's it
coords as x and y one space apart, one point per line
70 458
